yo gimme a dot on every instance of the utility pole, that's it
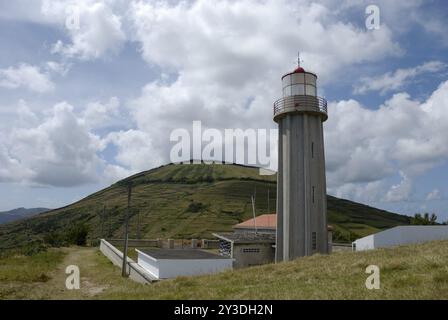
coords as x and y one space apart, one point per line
125 250
269 207
253 212
138 224
109 234
103 218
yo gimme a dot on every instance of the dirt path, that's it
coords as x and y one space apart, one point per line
55 288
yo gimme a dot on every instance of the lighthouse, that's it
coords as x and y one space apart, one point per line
301 182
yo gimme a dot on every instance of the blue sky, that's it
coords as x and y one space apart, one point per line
83 107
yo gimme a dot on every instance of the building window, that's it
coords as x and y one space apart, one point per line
251 250
312 149
314 240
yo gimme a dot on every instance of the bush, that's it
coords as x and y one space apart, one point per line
344 236
55 239
78 235
195 207
33 248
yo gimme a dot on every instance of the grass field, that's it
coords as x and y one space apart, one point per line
408 272
19 274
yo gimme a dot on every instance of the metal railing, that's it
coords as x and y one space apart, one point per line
306 102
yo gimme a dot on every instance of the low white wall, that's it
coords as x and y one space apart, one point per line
135 272
114 255
402 235
171 268
186 267
365 243
149 264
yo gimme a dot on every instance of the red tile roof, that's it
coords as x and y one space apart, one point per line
264 221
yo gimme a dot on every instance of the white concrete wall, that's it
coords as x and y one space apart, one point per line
171 268
402 235
148 263
112 253
365 243
187 267
135 272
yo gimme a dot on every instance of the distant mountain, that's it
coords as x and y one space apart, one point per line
20 213
187 201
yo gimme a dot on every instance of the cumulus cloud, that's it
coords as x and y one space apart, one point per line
26 76
134 150
401 191
237 42
59 68
59 151
402 136
392 81
101 115
223 60
93 27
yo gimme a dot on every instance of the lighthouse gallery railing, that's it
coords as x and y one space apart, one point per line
307 102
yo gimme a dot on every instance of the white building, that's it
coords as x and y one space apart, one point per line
401 235
170 263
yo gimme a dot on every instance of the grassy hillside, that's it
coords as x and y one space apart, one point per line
185 201
408 272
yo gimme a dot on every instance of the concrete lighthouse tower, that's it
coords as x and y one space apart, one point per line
301 184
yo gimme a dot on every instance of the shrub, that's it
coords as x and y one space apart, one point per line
78 234
195 207
54 239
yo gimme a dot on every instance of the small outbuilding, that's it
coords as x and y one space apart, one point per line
252 242
247 248
170 263
401 235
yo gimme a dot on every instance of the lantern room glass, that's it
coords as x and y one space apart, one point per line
299 84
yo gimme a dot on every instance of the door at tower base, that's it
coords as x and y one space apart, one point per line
301 182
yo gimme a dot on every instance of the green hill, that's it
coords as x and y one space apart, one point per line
185 201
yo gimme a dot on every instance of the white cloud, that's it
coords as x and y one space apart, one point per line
134 150
225 59
403 135
434 195
113 173
58 152
401 191
58 67
99 31
101 115
392 81
26 76
237 42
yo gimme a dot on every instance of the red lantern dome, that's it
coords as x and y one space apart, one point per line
299 70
